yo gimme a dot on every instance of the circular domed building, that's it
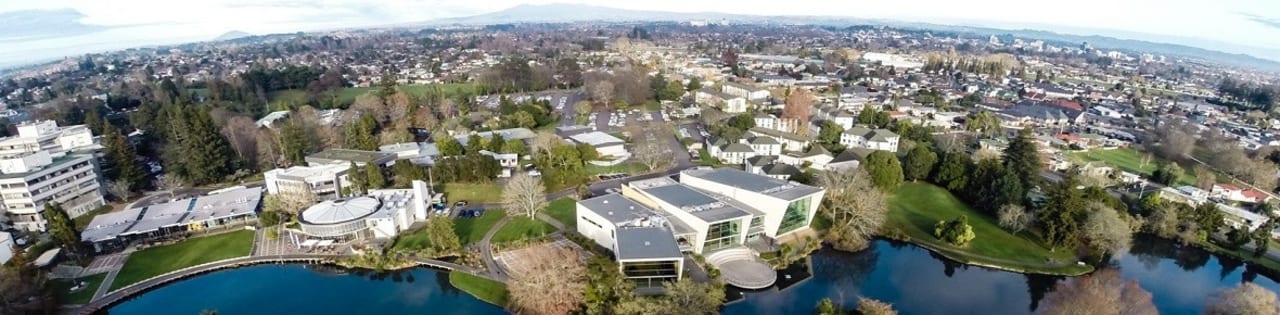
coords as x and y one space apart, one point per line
338 219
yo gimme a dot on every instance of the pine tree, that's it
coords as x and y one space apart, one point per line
356 176
295 144
120 158
208 153
1022 158
374 177
61 228
177 131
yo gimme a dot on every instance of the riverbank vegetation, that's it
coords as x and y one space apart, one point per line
490 291
159 260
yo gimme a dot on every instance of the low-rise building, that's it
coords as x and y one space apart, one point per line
875 139
321 182
221 208
382 214
605 144
348 156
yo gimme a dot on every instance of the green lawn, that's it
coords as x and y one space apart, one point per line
473 193
705 159
916 207
522 228
486 290
62 288
159 260
413 240
1129 160
471 230
629 167
564 210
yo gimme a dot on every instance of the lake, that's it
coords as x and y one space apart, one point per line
911 278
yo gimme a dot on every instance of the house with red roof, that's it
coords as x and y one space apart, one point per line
1238 194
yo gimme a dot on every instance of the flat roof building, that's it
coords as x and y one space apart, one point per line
226 207
347 156
322 182
31 180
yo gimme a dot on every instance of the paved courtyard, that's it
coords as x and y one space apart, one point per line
105 263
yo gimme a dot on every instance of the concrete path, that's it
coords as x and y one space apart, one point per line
552 221
486 251
106 284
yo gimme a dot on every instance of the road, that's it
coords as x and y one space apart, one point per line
678 152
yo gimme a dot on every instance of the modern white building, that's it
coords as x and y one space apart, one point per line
28 181
381 214
713 212
45 135
323 182
875 139
605 144
219 209
6 247
727 103
745 91
640 237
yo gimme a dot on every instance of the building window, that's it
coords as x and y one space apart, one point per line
651 273
795 217
721 235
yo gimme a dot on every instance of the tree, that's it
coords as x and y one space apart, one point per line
873 307
1106 230
1102 292
295 142
856 208
1166 173
442 236
449 146
120 189
515 146
694 84
688 297
1246 298
1014 217
553 283
953 172
797 109
885 170
582 108
649 146
601 92
918 163
826 307
61 228
120 159
957 232
374 178
829 134
1063 212
606 287
1022 158
170 183
357 177
524 195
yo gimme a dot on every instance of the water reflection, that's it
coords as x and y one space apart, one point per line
916 281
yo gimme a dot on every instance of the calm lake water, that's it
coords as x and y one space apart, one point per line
311 290
915 281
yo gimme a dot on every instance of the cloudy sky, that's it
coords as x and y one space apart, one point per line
1230 25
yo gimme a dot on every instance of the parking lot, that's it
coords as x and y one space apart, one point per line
611 121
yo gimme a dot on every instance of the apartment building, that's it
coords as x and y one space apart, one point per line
28 181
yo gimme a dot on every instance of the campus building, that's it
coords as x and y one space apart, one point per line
223 208
322 182
381 214
28 181
719 213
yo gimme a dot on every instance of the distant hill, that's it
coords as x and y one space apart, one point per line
564 13
232 35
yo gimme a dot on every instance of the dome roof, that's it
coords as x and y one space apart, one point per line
339 211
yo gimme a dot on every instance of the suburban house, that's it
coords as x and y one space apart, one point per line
727 102
875 139
1236 193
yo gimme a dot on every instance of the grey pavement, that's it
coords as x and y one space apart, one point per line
486 251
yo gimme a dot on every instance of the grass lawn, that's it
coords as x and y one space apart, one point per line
629 167
1130 160
473 193
486 290
159 260
471 230
564 210
522 228
916 207
413 240
62 288
705 159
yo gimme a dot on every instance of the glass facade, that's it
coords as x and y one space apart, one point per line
651 273
721 235
795 217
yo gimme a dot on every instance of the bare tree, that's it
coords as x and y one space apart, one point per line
1106 230
648 145
1204 177
293 202
855 207
1175 139
601 91
524 195
120 189
170 183
1102 292
1246 298
796 112
554 283
1014 217
582 108
874 307
242 133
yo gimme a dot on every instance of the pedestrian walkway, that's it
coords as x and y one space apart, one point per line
486 251
106 284
105 263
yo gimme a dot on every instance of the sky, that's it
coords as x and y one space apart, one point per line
1250 26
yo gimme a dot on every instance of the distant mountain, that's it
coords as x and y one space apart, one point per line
565 13
231 35
38 24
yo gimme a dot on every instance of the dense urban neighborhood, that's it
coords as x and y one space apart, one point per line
677 167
